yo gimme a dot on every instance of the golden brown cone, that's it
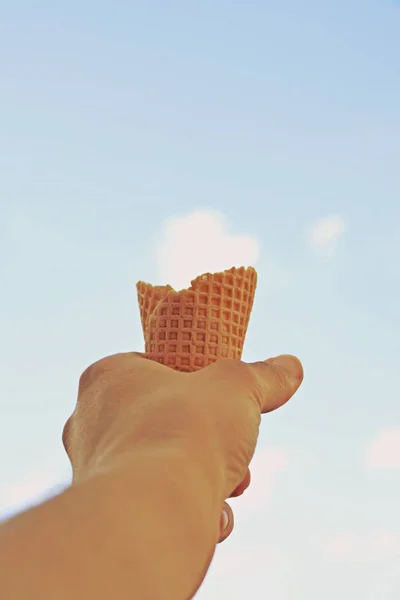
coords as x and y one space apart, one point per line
189 329
149 296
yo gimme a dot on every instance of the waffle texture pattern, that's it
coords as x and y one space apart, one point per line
189 329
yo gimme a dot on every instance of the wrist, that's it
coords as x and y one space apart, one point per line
176 500
139 514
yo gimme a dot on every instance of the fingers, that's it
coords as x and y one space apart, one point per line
65 437
275 380
242 487
226 523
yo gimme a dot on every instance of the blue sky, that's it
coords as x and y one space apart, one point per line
278 121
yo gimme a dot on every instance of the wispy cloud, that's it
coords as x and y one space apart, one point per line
249 558
380 545
324 233
268 463
384 450
201 242
248 569
29 490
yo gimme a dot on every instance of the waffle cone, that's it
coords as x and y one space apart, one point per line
192 328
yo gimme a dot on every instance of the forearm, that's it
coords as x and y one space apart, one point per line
146 530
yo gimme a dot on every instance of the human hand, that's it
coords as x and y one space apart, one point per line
126 402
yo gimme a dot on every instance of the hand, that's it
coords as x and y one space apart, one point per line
126 402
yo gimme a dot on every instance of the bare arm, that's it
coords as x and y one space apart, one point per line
155 453
146 531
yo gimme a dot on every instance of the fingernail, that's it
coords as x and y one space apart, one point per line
290 363
225 520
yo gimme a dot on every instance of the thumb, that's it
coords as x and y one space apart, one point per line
275 381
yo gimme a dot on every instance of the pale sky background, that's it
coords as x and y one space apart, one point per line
153 140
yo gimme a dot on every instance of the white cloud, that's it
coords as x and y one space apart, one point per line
384 450
200 242
34 487
268 463
324 233
380 545
244 569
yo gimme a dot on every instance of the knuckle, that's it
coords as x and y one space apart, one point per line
122 360
96 370
280 378
244 381
232 368
238 374
66 435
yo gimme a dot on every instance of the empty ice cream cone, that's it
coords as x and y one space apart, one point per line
190 329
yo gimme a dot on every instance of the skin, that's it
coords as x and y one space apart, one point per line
155 454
